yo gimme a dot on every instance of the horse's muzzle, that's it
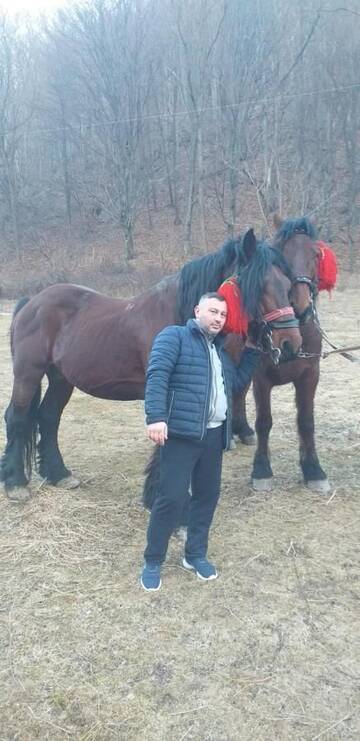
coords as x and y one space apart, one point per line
287 352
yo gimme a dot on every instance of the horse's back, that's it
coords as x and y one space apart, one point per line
99 344
67 297
50 311
71 327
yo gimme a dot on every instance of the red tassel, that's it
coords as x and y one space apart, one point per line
327 268
236 320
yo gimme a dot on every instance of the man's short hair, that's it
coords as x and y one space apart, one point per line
211 294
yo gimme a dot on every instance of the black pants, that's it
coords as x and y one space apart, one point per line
182 461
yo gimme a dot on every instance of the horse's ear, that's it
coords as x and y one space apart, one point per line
277 221
249 244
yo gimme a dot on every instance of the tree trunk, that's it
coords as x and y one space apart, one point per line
174 129
191 194
201 191
129 240
13 202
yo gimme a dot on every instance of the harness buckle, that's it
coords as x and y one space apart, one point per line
275 353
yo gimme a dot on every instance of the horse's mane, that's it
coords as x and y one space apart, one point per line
206 274
252 276
290 227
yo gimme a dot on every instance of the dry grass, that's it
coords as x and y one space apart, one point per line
268 651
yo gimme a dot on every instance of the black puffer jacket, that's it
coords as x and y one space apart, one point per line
178 380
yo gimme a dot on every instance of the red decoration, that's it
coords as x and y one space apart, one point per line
236 320
327 267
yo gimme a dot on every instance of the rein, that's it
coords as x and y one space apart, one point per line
294 321
326 280
344 351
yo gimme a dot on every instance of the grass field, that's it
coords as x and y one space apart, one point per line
270 651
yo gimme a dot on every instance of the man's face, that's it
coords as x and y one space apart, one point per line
211 315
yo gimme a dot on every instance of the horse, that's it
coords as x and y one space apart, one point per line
251 278
79 338
295 239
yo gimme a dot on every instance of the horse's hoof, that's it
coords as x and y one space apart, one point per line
232 444
248 440
261 484
69 482
18 494
321 486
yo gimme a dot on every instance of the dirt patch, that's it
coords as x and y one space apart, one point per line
268 651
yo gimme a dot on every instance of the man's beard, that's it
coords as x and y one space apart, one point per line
207 332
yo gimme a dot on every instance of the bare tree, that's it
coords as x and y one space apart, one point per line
220 111
15 115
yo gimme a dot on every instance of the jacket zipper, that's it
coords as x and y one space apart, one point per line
206 410
228 433
170 406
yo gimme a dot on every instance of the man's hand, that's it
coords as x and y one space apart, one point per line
251 344
254 335
158 432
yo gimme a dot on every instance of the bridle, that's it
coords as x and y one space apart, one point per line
310 311
283 318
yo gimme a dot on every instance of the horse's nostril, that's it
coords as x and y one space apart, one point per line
287 351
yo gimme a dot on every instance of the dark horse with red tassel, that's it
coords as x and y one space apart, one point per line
79 338
312 268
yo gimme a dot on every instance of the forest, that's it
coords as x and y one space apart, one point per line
176 123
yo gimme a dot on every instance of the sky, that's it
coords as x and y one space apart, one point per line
31 6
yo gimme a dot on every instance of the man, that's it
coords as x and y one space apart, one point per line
189 384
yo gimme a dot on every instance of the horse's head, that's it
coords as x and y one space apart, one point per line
296 240
265 287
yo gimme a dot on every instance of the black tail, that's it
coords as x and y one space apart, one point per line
151 484
21 428
151 488
21 444
31 439
32 416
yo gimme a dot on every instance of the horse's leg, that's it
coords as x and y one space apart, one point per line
234 345
21 425
314 476
240 425
262 473
51 464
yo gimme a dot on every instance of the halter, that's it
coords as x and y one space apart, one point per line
283 318
286 311
237 321
310 311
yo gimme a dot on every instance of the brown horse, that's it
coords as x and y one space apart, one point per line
79 338
296 241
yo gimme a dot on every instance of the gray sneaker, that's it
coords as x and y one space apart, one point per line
202 567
